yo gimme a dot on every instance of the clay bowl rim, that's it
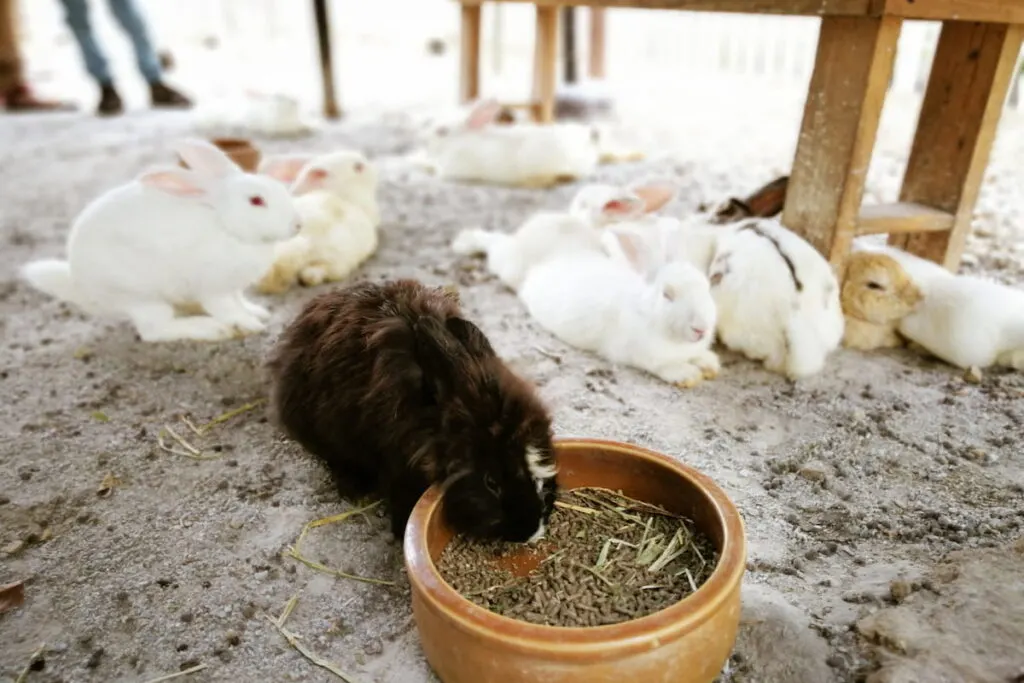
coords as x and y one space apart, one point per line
615 640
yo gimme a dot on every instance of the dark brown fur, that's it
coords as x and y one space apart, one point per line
765 202
394 390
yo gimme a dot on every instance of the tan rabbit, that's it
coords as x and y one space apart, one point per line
877 293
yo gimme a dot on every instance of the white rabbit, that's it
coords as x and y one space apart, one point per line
543 236
175 238
777 298
520 154
593 303
336 196
964 320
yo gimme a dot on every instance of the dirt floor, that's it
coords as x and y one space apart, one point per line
883 499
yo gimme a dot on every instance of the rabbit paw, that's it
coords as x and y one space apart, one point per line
709 365
468 243
196 328
230 310
685 376
255 309
311 276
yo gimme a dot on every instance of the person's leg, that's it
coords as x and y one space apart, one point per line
76 14
130 17
14 92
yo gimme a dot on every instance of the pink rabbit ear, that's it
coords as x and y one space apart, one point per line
623 206
285 168
174 181
311 179
204 158
655 195
483 113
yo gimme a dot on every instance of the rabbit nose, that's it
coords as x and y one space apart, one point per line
697 332
296 226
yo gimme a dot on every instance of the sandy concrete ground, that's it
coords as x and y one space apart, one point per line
883 499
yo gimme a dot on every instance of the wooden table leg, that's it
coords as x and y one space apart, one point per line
971 72
569 44
597 31
545 62
844 102
323 36
469 53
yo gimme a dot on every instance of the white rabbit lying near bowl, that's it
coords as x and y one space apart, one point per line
174 238
777 297
571 287
336 196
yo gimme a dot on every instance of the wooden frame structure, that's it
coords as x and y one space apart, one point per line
971 73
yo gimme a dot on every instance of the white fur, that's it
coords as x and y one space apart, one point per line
760 312
539 470
523 154
963 320
174 238
596 304
336 196
544 236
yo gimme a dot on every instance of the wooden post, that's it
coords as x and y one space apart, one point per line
844 102
469 53
597 43
569 44
973 66
323 35
545 62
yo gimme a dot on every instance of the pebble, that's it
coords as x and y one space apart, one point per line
835 661
813 470
232 638
900 590
374 647
94 658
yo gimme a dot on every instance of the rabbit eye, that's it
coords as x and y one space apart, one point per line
257 200
669 294
358 167
875 285
442 131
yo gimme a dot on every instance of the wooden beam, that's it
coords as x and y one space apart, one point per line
885 219
597 43
545 62
970 75
569 44
844 102
994 11
812 8
469 53
323 42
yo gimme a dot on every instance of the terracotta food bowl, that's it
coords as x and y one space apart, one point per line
688 642
241 151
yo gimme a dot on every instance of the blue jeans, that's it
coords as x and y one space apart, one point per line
76 13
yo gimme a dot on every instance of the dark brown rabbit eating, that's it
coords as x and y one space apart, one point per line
394 390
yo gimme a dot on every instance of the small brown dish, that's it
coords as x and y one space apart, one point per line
688 642
240 150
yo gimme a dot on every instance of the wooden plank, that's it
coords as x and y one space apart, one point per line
545 62
597 43
844 102
994 11
902 217
970 75
469 53
823 8
323 42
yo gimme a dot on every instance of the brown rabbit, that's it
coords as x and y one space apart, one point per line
394 390
876 294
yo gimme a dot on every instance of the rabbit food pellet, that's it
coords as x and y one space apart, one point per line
609 559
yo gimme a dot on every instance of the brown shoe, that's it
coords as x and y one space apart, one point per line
20 99
110 102
166 97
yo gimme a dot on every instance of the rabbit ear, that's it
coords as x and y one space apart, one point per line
623 206
654 195
202 157
174 181
284 167
483 113
309 180
471 337
633 248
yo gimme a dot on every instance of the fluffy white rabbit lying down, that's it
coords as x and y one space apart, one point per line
573 289
776 296
336 196
171 239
